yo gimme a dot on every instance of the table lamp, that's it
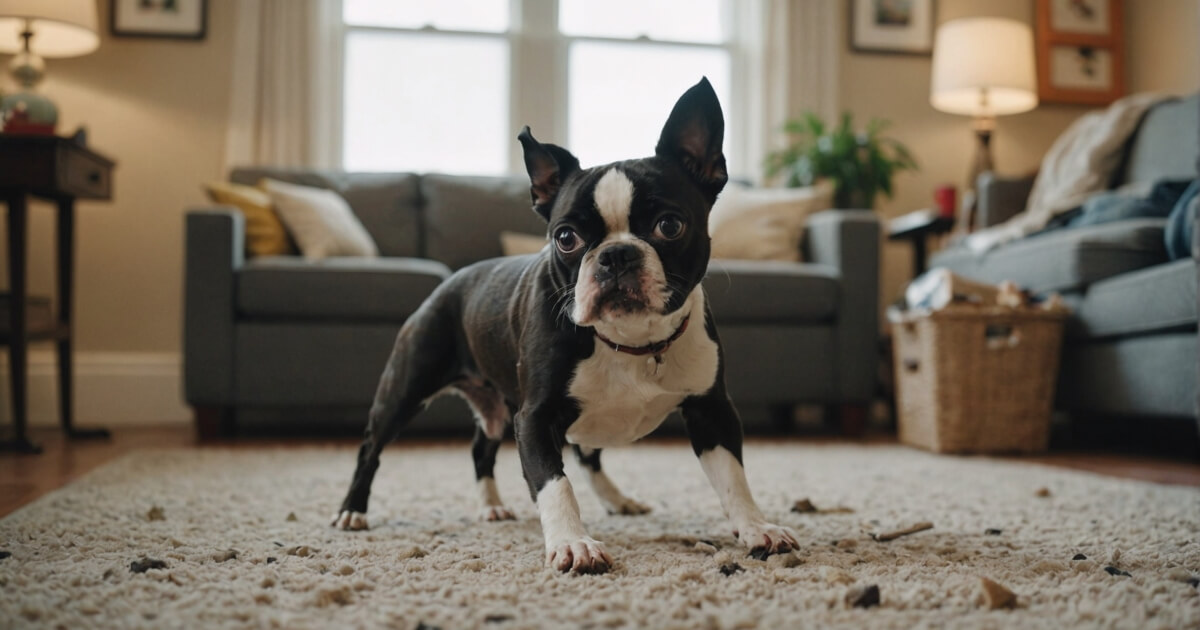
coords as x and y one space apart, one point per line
33 29
983 67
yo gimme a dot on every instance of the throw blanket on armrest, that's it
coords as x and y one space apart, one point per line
1079 163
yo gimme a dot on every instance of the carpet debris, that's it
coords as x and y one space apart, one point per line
804 506
421 625
705 547
1042 493
145 564
497 618
291 517
301 551
862 596
156 513
225 556
729 568
1111 570
996 595
271 560
1079 556
912 529
992 531
4 555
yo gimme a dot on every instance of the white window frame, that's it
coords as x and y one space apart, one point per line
538 76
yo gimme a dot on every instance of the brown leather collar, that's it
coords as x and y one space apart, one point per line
657 348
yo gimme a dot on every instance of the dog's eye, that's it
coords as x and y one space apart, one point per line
669 227
567 240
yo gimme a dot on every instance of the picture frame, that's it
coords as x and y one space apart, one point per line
167 19
1080 51
895 27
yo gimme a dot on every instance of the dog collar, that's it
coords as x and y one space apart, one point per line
657 348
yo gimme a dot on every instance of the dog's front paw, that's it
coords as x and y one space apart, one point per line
582 555
765 539
496 513
626 506
350 520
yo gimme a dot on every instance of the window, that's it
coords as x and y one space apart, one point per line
445 86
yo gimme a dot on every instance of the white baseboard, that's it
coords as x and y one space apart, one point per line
111 389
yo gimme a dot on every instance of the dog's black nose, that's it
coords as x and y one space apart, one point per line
618 258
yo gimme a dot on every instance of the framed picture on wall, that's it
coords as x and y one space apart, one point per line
891 26
1080 51
172 19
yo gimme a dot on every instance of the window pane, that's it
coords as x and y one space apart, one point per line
621 94
420 102
460 15
675 20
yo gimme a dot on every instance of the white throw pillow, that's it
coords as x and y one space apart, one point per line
764 223
518 243
320 221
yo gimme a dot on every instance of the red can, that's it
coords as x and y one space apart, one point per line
943 200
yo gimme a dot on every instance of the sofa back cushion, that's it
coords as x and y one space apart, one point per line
1165 145
464 216
386 203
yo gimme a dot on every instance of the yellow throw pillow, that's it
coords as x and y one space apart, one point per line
764 223
265 233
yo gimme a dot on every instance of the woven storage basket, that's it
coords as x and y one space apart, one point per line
977 379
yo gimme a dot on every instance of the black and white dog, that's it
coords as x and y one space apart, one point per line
592 342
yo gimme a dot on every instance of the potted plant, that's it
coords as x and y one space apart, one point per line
860 164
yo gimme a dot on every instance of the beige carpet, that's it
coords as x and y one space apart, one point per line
246 543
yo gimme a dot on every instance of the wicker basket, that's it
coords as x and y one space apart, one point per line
977 379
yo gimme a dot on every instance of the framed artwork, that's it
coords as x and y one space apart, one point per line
1080 51
891 26
172 19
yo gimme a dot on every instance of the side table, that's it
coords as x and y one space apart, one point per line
59 170
916 227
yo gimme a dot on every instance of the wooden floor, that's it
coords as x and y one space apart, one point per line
24 478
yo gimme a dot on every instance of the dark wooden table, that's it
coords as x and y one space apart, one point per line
916 227
59 170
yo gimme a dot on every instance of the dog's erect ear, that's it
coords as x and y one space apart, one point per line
549 166
693 136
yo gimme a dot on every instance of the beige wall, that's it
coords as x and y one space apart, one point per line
1162 55
158 108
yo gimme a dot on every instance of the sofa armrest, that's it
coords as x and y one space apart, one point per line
1000 198
215 242
848 240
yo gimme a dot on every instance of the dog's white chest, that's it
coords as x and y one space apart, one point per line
623 397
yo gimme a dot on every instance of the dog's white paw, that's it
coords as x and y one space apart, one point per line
582 555
626 506
496 513
350 520
765 539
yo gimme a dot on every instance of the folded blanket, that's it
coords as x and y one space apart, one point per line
1081 162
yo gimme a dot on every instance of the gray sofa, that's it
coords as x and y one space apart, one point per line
1131 344
283 340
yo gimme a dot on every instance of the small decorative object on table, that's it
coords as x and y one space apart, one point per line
976 367
859 163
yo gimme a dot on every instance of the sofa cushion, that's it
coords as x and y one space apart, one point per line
367 289
1164 146
762 291
386 203
1066 259
1160 298
465 215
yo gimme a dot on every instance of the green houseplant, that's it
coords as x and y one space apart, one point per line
860 164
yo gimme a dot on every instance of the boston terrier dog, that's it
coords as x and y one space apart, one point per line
591 342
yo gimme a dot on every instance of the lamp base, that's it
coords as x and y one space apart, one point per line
28 112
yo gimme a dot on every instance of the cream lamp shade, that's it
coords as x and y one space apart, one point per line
61 28
983 66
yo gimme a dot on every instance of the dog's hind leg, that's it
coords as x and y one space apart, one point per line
611 497
483 450
422 363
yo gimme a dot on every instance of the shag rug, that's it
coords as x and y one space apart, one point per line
242 539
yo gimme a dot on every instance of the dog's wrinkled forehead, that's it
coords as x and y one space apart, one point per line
625 195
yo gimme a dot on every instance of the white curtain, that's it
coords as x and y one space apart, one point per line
790 67
286 84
